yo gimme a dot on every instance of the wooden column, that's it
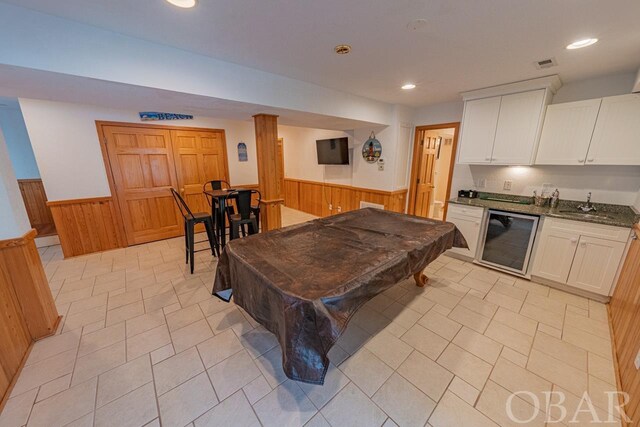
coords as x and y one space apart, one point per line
268 170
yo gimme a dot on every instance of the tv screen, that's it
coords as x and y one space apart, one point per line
333 151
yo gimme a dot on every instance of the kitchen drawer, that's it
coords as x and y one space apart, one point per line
464 211
600 231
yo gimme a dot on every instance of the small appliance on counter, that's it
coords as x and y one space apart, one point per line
469 194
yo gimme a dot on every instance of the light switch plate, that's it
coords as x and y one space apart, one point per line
507 185
637 363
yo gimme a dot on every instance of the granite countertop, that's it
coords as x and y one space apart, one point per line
615 215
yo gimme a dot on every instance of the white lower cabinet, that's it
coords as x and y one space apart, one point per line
468 221
583 255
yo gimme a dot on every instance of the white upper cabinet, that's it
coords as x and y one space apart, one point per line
479 130
567 132
616 138
518 128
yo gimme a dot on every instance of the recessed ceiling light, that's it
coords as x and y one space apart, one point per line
582 43
342 49
408 86
183 3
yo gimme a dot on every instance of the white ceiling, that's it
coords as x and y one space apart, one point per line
466 44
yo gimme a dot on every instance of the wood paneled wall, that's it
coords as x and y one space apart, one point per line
625 323
87 225
28 312
35 200
322 199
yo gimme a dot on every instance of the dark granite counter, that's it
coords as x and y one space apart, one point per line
615 215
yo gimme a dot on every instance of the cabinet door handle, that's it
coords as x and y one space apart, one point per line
583 244
590 160
574 240
477 222
580 160
487 158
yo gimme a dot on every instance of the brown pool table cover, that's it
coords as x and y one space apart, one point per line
304 282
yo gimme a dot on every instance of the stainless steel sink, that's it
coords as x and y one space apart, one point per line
588 215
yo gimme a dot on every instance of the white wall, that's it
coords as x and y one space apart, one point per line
13 215
66 146
18 144
609 184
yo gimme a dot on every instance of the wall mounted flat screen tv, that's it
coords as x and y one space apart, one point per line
333 151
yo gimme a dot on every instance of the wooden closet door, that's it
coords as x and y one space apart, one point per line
201 156
143 170
424 187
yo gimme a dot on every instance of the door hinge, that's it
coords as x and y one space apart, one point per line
422 142
418 181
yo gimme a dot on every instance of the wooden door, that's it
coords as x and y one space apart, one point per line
142 165
201 156
280 166
595 264
625 318
426 167
517 129
479 130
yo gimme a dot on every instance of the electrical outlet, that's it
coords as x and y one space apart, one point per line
507 185
637 363
482 183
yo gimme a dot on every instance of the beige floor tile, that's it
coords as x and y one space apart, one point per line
516 321
389 349
125 312
87 303
532 287
161 300
334 381
516 378
156 289
103 360
145 323
191 335
449 274
558 372
353 338
213 305
575 406
543 315
233 411
286 405
147 341
379 303
229 319
569 299
505 301
469 318
187 402
453 411
576 310
470 368
17 409
599 392
443 297
431 378
478 345
589 342
464 390
547 303
593 326
232 374
440 324
407 405
550 330
598 311
366 371
75 295
561 350
125 298
337 355
601 368
101 338
319 420
186 316
176 370
509 337
102 288
131 410
404 316
478 305
42 372
87 317
509 290
495 402
65 407
52 346
258 341
195 296
256 389
427 342
270 364
54 387
351 407
123 379
515 357
162 353
476 284
416 303
217 348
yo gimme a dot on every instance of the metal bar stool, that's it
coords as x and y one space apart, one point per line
245 215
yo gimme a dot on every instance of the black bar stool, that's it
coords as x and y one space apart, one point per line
244 216
190 220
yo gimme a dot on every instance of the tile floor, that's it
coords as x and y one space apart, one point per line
143 343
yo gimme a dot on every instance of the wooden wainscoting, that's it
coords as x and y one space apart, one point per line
624 312
87 225
35 200
323 199
28 312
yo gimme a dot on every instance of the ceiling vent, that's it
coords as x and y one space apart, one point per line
546 63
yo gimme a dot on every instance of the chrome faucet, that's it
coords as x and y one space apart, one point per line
588 207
